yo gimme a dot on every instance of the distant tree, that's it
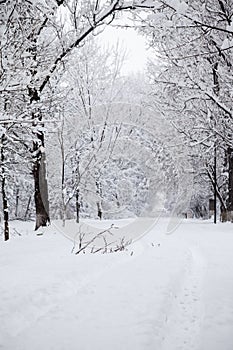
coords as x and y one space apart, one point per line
193 86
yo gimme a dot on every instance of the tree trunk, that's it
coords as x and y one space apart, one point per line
39 167
61 142
230 185
99 210
77 206
41 190
16 202
63 213
223 214
215 184
27 209
4 195
5 211
98 203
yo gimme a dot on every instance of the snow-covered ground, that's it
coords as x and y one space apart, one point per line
166 292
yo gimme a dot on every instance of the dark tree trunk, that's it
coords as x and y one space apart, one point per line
16 202
4 195
223 214
99 210
27 209
41 191
5 211
98 203
77 206
215 184
39 167
230 184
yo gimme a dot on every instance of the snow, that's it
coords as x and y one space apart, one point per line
230 27
180 6
110 232
166 292
226 44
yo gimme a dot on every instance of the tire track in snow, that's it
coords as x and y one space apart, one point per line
184 321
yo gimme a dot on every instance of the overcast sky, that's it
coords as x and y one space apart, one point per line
133 43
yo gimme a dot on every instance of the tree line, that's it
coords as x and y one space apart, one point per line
191 87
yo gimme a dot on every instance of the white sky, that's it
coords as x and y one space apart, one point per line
133 43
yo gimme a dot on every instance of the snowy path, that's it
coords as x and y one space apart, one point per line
185 318
129 230
165 293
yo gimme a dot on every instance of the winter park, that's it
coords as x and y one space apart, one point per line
116 175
